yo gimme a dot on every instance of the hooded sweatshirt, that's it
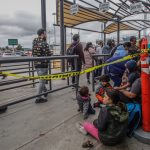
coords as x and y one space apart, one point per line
133 73
112 124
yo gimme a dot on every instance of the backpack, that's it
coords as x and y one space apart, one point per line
71 51
134 120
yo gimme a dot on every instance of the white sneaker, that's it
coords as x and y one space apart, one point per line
81 128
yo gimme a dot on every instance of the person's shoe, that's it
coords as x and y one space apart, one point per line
40 100
4 76
45 95
92 111
96 104
85 116
102 105
3 109
81 128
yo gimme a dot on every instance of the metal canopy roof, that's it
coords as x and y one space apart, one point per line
84 15
113 27
89 11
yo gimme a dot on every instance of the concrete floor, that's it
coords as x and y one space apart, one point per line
49 126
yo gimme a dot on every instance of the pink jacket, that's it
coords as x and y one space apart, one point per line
88 57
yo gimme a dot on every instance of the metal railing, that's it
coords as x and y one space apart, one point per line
95 57
9 64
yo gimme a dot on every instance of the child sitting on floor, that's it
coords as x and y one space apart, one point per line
84 102
111 125
132 74
104 84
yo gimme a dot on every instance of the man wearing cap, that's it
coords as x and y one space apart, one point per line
78 50
108 48
41 49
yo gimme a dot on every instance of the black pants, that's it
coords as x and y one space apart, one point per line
88 76
125 99
79 66
98 72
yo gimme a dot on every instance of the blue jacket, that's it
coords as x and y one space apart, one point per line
117 68
120 51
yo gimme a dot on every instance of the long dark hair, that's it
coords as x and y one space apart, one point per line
88 45
114 96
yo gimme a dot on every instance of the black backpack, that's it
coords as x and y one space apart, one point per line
71 51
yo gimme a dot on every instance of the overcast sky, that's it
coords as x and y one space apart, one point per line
20 19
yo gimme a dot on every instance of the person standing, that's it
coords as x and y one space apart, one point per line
41 49
134 49
99 60
88 52
108 48
78 50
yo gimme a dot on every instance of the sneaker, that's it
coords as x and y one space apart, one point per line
40 100
91 111
3 109
81 128
45 95
4 76
102 105
85 116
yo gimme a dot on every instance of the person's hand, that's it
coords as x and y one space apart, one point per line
84 67
116 88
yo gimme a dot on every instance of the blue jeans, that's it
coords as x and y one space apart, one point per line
41 87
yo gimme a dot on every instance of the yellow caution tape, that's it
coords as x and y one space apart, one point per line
75 73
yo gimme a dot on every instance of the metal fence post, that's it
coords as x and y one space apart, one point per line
50 81
33 74
77 76
93 86
62 32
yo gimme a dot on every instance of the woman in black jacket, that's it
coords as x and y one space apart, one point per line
111 124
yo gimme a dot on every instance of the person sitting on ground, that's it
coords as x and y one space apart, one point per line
111 125
84 102
100 91
132 95
132 74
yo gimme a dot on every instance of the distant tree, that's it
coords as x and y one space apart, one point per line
19 47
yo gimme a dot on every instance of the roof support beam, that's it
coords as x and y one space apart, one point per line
118 9
81 29
62 33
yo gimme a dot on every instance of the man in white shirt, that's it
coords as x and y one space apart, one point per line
99 60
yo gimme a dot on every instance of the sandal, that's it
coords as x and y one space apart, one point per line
87 144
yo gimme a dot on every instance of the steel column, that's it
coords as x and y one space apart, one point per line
118 31
104 34
62 32
104 1
43 13
139 34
